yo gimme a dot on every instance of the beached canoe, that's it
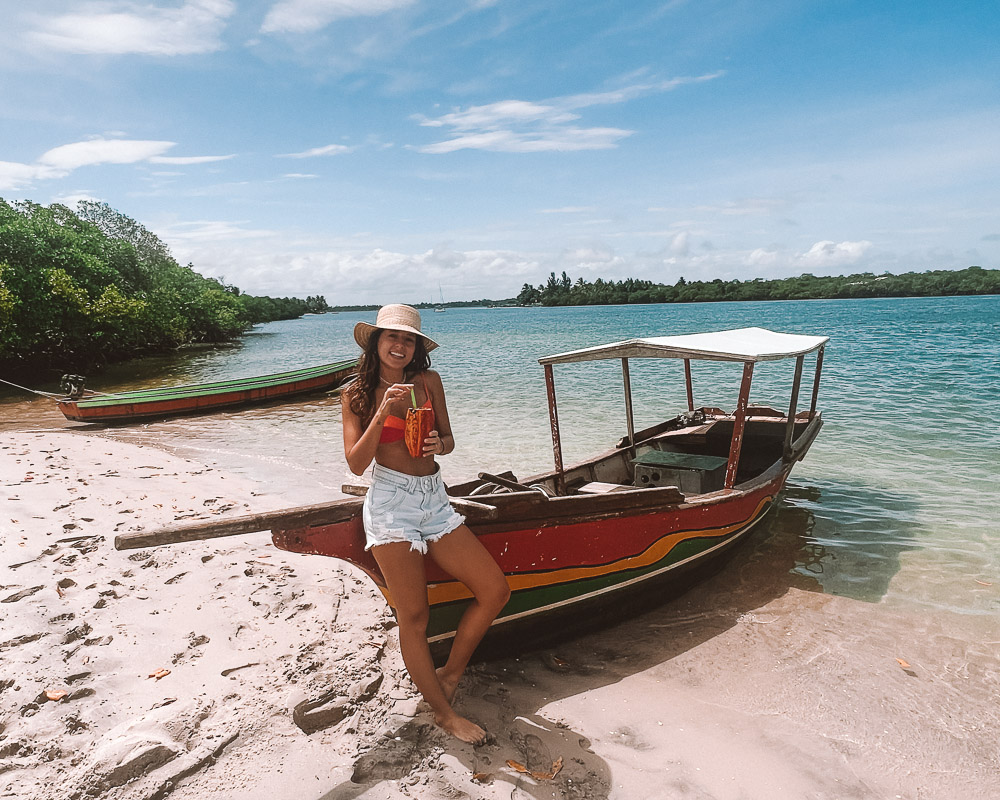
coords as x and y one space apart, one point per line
633 525
167 401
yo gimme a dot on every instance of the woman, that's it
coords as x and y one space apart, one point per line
406 511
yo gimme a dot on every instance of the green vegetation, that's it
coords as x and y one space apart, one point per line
564 292
85 288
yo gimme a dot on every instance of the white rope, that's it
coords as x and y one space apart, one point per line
33 391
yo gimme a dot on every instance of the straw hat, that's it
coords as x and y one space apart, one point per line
393 317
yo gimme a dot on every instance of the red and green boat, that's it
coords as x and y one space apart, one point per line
166 401
634 523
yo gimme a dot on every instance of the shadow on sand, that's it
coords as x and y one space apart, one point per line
825 540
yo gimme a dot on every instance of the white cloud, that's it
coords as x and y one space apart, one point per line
679 245
636 90
504 112
299 175
189 159
342 270
597 259
211 231
358 269
522 126
747 207
61 161
70 200
762 258
830 254
565 140
119 28
68 157
15 176
306 16
326 150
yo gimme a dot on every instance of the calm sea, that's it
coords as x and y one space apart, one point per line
897 503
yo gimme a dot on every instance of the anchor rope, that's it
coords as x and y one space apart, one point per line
50 394
33 391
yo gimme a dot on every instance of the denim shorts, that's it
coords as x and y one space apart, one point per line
407 508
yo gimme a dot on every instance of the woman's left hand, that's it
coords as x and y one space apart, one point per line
433 446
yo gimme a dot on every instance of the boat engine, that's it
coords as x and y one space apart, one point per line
73 386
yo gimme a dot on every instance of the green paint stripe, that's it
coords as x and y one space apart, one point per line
444 618
202 389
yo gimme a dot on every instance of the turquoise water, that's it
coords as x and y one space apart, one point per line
897 502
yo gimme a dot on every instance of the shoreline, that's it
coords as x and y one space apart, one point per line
752 685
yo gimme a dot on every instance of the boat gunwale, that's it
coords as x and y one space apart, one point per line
190 391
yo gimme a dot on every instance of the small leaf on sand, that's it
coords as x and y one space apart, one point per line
903 664
482 777
160 673
557 766
55 694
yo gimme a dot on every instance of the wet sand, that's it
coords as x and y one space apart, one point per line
285 679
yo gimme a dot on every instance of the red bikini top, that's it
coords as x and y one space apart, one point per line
393 427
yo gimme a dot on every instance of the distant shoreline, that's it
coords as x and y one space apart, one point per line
969 282
422 307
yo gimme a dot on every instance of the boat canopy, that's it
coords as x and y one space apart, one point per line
741 344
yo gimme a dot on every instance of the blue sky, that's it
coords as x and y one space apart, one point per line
374 150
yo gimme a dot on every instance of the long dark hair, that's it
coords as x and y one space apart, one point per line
361 392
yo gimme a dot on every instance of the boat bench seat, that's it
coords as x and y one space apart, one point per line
598 487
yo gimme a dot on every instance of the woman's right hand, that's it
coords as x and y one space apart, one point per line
394 394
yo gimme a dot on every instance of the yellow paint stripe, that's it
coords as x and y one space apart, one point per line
453 590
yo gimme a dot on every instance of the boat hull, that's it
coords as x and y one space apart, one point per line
201 398
567 567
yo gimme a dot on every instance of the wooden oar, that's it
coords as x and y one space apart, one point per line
282 519
298 517
507 482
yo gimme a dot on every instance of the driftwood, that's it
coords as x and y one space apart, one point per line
282 519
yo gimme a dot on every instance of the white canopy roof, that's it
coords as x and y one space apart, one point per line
742 344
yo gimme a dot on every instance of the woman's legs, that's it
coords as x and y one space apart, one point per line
403 569
462 556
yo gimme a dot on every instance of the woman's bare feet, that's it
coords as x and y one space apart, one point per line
461 728
449 683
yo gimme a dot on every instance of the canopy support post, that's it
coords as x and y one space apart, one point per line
550 390
819 368
739 425
688 383
629 422
790 427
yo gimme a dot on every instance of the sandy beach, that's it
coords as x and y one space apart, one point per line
231 669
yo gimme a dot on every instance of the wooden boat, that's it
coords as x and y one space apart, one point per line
197 398
639 520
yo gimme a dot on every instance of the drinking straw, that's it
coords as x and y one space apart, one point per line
413 397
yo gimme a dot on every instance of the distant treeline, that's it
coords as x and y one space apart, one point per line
565 292
78 289
427 306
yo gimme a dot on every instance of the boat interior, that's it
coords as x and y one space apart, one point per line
689 452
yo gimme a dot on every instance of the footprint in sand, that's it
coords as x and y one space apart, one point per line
17 596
